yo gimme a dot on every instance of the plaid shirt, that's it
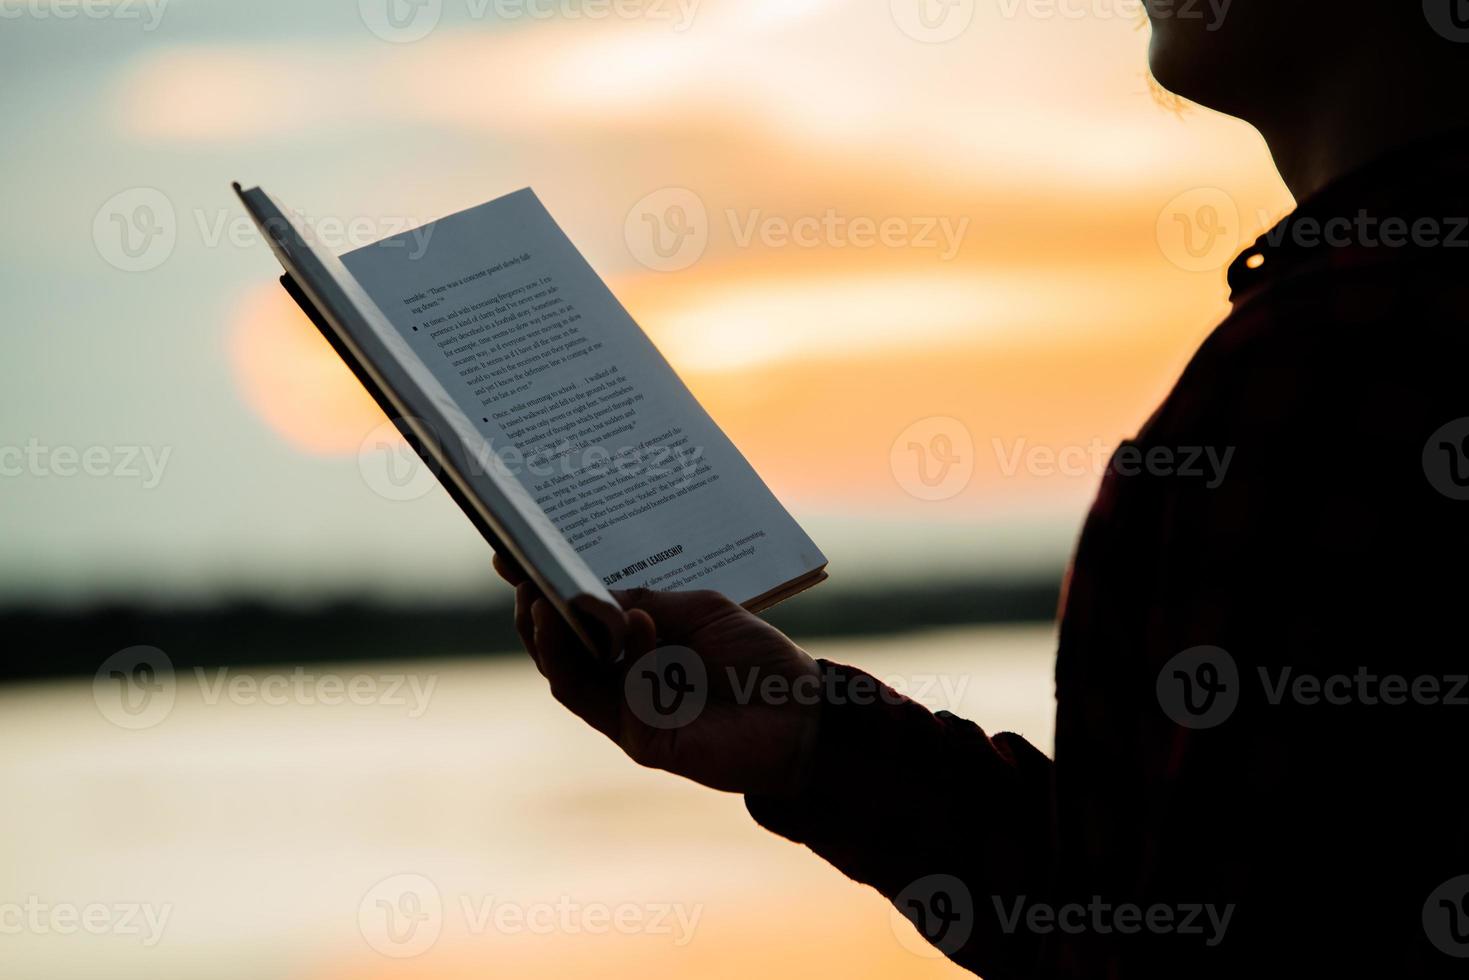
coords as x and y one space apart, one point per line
1227 737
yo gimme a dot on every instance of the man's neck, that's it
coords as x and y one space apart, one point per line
1350 126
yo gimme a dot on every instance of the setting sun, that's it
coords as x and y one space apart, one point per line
293 380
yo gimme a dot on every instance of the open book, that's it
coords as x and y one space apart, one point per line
545 411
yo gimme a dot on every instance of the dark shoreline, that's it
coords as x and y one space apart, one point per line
60 642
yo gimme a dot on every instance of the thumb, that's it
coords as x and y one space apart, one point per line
642 633
677 613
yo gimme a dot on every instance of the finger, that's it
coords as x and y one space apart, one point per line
578 681
509 569
678 613
525 597
642 634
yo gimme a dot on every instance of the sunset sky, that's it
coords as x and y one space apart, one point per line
1037 285
926 262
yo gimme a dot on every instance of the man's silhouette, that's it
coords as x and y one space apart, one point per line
1260 762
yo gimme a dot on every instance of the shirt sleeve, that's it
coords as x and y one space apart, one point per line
950 824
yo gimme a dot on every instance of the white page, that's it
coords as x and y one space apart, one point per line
579 404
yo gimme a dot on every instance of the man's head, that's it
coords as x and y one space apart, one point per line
1261 58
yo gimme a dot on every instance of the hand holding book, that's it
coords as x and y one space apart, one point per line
706 689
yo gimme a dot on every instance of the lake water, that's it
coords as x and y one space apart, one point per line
455 823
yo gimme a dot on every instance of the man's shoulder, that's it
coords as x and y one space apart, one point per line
1343 351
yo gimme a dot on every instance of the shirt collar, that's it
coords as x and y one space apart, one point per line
1407 204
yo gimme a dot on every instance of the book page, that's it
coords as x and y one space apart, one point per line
579 406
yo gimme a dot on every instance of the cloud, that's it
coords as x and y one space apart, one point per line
836 78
